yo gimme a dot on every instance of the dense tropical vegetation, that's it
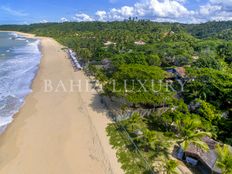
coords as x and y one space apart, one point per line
186 105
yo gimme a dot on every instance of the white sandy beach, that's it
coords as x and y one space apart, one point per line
58 132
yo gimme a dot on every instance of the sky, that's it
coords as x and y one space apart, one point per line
184 11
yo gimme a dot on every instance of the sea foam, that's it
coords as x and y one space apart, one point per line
17 71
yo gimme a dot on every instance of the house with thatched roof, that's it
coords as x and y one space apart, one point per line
204 161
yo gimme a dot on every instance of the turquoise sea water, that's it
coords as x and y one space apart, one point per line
19 61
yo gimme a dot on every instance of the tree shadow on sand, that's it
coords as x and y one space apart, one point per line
99 104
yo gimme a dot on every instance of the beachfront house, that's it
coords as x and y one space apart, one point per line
204 161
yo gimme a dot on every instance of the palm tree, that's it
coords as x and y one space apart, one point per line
151 139
196 139
135 123
224 161
190 131
170 167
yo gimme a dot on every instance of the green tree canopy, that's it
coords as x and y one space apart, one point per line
211 85
144 85
224 161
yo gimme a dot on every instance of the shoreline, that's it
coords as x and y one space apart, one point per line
57 133
34 71
28 35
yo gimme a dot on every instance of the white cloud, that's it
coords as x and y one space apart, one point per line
209 9
225 4
222 2
127 11
156 9
165 10
218 10
223 16
82 17
165 20
121 13
13 12
181 1
101 15
174 11
44 21
63 19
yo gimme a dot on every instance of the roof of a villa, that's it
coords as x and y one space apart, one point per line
208 158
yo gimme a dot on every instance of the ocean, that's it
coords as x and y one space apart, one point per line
19 62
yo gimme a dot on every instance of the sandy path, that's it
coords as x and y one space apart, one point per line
58 132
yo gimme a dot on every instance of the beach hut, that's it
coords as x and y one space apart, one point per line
204 161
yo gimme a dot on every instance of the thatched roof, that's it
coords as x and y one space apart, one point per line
207 158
